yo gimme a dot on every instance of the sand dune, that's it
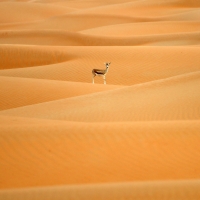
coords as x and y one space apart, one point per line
139 64
148 9
22 12
62 137
86 4
25 56
70 22
77 39
78 21
44 91
145 150
144 191
126 104
151 28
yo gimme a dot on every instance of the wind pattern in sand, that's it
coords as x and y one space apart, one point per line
137 137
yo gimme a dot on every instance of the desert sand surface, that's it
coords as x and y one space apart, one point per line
136 137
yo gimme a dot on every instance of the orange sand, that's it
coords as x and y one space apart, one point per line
137 137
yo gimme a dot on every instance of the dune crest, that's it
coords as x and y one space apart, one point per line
145 191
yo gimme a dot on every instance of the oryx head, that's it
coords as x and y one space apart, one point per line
107 64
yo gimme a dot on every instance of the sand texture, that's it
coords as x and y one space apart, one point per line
136 137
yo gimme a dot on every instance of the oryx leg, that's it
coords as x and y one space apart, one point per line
104 78
93 79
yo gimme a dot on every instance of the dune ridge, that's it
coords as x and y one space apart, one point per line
124 100
148 28
139 64
44 91
48 37
62 137
148 190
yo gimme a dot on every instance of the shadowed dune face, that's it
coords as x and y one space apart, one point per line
62 137
22 57
191 3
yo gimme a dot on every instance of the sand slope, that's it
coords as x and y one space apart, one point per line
145 151
13 88
142 190
62 137
148 28
135 103
129 65
23 12
78 39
